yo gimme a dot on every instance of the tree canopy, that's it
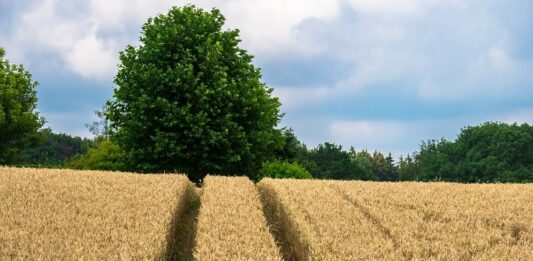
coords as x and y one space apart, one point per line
19 120
330 161
490 152
189 99
55 149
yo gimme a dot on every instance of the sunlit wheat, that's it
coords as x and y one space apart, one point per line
231 224
90 215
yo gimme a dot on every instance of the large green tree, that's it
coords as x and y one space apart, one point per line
189 99
19 122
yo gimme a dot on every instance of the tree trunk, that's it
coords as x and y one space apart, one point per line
197 177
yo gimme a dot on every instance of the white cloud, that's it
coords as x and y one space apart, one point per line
492 73
267 27
117 14
386 41
409 8
398 137
90 57
396 7
293 96
444 49
518 117
402 137
88 41
73 38
67 122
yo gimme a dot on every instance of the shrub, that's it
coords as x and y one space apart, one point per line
283 169
106 156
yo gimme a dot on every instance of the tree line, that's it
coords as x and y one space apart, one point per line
188 99
489 152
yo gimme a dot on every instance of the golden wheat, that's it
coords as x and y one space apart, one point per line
318 224
447 221
65 214
231 224
424 221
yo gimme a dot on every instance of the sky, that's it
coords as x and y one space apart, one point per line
373 74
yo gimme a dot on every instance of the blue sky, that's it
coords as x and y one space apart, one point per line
374 74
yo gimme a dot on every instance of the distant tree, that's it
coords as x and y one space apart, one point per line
55 149
100 128
436 162
332 162
490 152
19 120
189 99
494 152
407 169
379 166
391 169
382 168
292 149
362 160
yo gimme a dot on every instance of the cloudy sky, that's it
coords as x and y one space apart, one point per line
376 74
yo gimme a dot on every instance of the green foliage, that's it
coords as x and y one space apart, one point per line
364 162
330 161
490 152
19 121
283 169
407 169
494 152
106 156
292 149
381 168
189 99
195 204
436 162
55 150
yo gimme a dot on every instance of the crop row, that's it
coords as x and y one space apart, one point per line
231 224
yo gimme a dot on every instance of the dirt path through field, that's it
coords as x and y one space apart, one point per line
186 232
275 228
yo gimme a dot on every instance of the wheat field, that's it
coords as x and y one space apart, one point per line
317 223
475 221
231 224
401 221
90 215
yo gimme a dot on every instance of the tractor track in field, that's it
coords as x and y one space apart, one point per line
186 230
366 213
